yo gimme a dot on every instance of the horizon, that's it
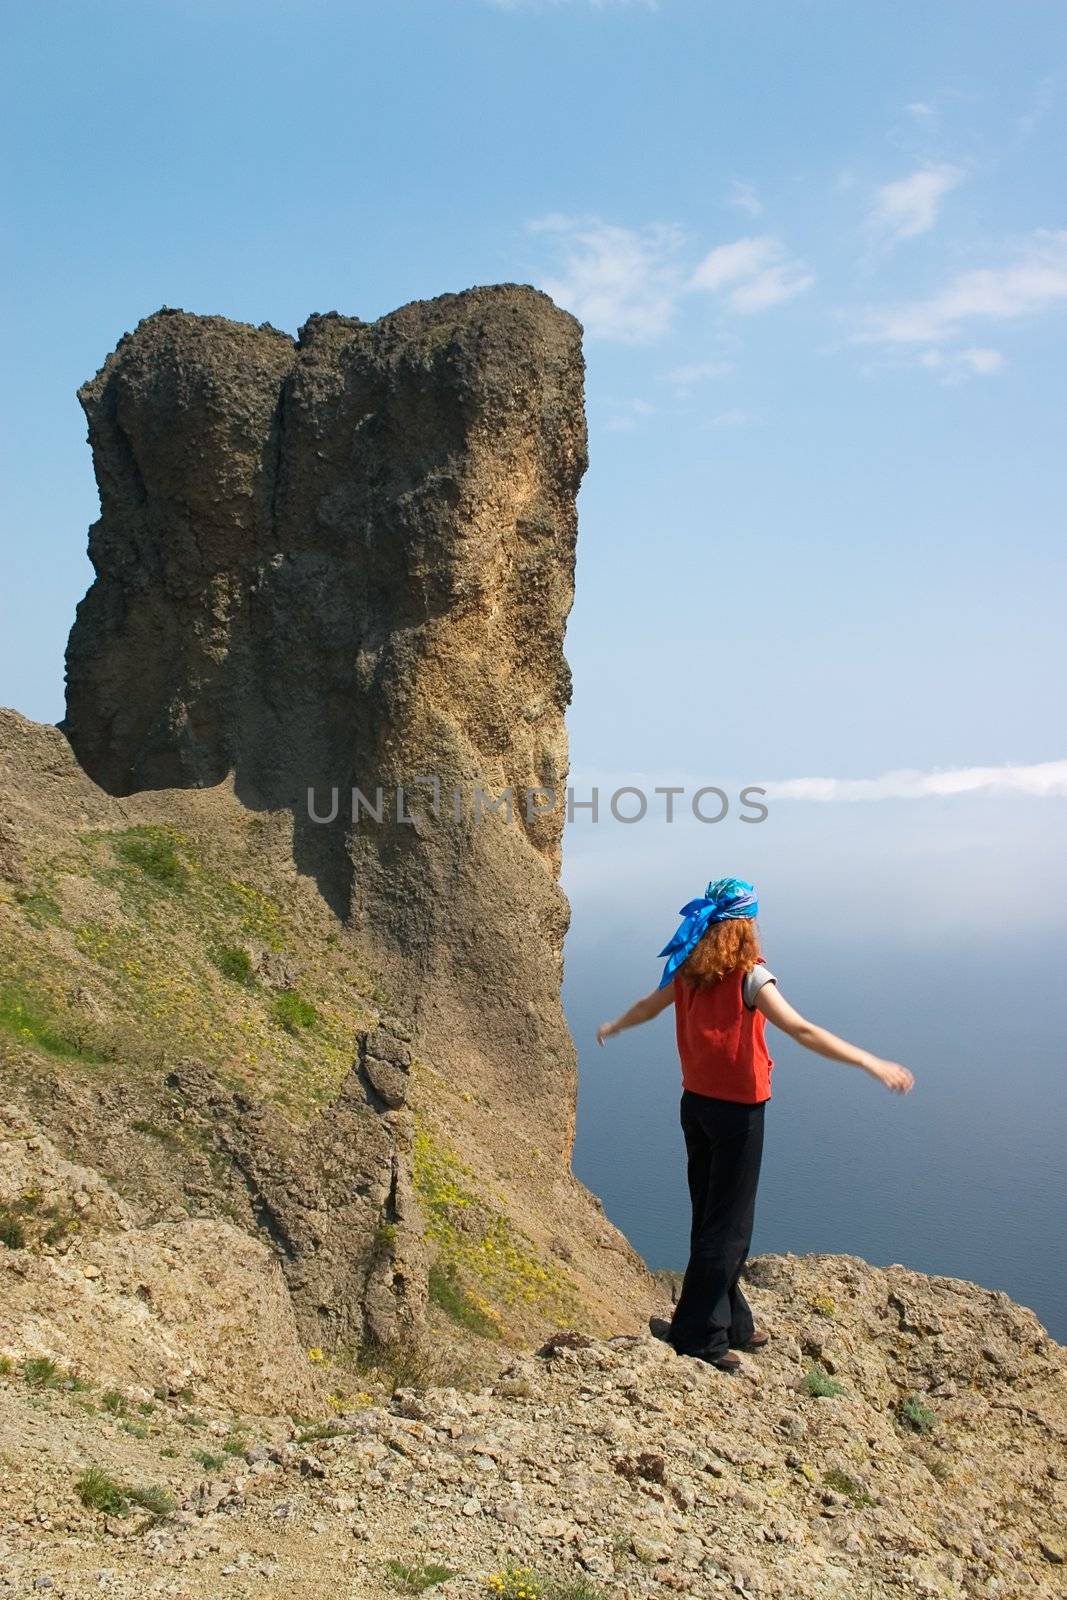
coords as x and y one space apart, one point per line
820 537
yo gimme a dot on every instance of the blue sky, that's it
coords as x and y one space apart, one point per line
820 251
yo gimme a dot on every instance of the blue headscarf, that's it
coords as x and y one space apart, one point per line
723 899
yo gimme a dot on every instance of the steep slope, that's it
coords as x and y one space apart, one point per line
184 1019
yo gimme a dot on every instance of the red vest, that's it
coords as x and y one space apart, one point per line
721 1042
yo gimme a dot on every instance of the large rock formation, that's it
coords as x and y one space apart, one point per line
332 563
347 562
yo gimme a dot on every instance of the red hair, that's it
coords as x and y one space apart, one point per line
724 948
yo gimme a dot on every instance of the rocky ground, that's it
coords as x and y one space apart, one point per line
901 1435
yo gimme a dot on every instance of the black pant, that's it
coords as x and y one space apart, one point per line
724 1146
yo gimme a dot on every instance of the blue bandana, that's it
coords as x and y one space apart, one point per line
722 900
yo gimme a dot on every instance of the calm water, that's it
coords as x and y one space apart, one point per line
965 1176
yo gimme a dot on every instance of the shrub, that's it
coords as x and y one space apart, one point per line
319 1430
819 1383
385 1237
12 1233
414 1579
913 1414
27 1022
293 1011
113 1401
41 1373
38 907
233 961
843 1484
449 1295
516 1583
151 850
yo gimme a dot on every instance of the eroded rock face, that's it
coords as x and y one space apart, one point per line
346 561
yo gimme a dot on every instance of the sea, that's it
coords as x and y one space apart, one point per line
965 1176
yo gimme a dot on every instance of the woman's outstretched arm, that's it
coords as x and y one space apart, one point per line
782 1014
641 1011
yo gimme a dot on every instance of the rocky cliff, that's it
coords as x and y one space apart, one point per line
330 564
286 1105
346 562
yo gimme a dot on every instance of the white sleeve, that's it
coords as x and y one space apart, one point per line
753 983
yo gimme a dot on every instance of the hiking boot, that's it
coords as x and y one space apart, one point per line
727 1361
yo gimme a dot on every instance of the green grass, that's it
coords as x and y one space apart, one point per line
913 1414
320 1430
27 1022
448 1294
385 1237
481 1243
293 1011
40 1372
151 850
99 1491
415 1579
152 1130
233 962
113 1401
12 1231
153 1497
818 1382
38 907
209 1462
841 1483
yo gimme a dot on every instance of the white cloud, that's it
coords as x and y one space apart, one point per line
1034 283
627 414
954 366
622 283
698 372
626 283
729 262
1044 780
1045 97
772 287
909 206
756 272
920 110
745 198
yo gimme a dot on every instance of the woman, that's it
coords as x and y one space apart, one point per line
721 990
